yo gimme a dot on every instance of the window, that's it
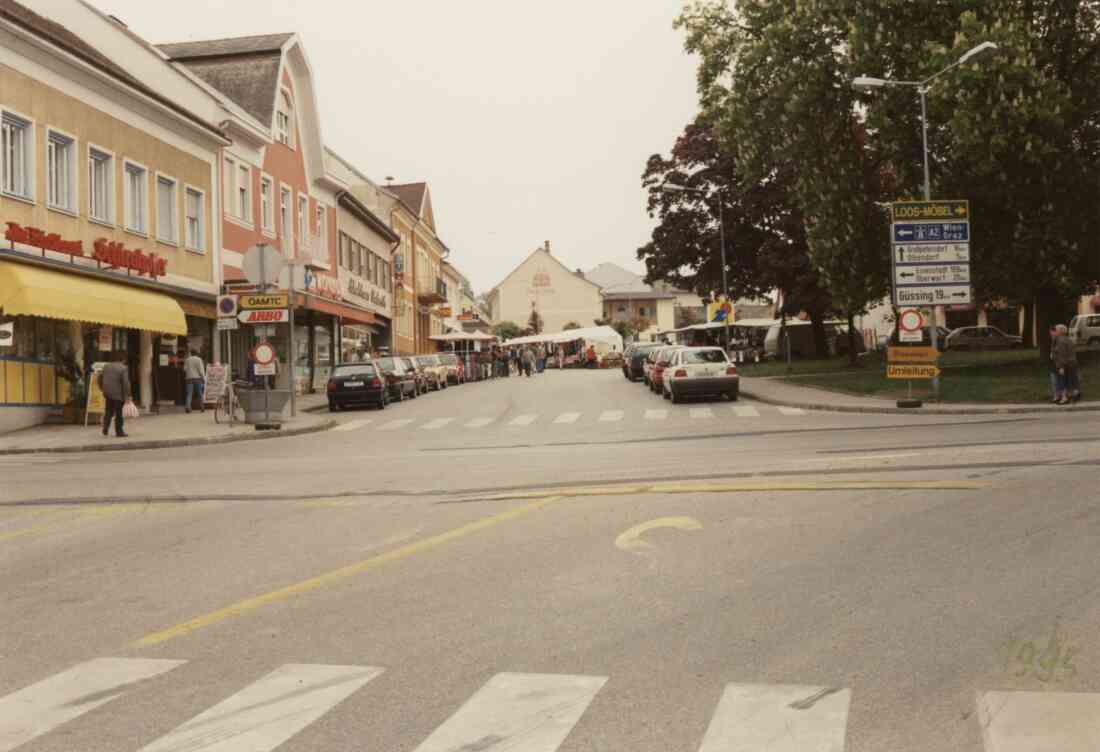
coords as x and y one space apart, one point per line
303 220
166 210
194 205
284 120
284 208
267 197
100 185
230 189
60 171
136 198
641 311
244 185
321 229
341 252
17 165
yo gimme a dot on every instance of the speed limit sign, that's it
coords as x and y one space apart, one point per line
910 324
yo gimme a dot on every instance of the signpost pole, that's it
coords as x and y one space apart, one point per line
933 331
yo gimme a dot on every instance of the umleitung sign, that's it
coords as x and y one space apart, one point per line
911 372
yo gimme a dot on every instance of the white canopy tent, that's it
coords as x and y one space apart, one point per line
600 334
464 337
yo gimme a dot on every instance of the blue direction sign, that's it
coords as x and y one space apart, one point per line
932 232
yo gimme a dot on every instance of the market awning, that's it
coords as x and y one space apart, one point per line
30 291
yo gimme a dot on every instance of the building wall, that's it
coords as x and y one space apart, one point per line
541 282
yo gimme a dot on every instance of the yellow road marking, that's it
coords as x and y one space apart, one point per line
681 488
336 575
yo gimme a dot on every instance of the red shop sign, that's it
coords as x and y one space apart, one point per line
47 241
121 257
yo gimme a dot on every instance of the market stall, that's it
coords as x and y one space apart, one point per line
472 344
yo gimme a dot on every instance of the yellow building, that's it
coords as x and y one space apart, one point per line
107 196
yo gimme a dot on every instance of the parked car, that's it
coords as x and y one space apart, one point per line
437 372
1085 330
455 370
356 384
400 381
649 363
925 340
981 338
634 360
700 372
656 376
421 375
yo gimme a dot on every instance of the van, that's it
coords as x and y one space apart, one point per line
1085 330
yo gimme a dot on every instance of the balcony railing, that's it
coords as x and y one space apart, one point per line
431 290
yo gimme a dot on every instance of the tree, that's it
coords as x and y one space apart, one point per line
571 325
507 330
766 241
535 323
774 80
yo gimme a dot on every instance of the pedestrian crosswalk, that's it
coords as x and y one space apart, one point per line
522 712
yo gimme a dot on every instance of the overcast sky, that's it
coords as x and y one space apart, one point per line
529 120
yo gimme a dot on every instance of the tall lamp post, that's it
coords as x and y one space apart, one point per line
870 82
675 188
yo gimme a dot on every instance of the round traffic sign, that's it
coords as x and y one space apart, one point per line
911 320
263 354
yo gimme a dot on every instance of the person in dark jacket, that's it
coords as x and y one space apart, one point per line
114 382
1065 360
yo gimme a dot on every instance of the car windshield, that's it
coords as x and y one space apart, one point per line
387 364
353 369
692 357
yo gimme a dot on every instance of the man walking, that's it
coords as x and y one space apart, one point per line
194 377
114 382
1065 360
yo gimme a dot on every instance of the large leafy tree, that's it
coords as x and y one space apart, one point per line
775 79
766 243
507 330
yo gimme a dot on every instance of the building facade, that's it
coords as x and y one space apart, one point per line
542 283
108 198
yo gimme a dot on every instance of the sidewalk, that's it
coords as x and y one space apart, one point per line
774 391
169 429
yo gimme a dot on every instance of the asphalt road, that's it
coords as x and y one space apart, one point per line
562 563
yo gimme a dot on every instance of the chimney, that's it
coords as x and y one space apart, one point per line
580 273
546 246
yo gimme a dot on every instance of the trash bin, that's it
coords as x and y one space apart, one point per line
263 408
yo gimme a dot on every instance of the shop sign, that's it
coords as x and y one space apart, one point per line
265 316
326 287
215 383
106 338
265 300
96 403
47 241
121 257
228 325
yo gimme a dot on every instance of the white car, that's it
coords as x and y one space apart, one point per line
700 372
1085 330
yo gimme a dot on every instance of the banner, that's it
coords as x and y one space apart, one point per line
214 387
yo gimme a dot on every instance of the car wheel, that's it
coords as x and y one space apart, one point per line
732 396
666 395
400 394
676 398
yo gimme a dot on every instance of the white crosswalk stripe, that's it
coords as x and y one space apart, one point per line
523 420
435 425
656 414
478 422
394 425
1040 721
792 411
567 418
700 413
527 712
611 416
42 707
267 713
353 425
779 718
746 411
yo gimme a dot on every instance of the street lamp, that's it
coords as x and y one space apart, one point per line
871 82
675 188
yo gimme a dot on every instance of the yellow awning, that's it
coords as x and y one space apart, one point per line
31 291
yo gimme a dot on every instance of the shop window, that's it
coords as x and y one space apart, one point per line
101 166
136 197
267 198
195 209
166 209
16 159
60 171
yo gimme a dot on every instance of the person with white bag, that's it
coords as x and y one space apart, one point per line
114 382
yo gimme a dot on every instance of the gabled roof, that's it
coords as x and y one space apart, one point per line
614 278
245 69
416 197
550 256
66 40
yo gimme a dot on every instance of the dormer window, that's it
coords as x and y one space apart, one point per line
284 120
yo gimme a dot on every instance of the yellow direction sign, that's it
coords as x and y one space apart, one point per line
262 301
916 211
925 355
911 372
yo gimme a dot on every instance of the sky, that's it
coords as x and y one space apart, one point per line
529 120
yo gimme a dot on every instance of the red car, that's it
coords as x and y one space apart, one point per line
656 377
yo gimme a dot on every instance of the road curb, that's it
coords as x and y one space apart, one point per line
254 435
927 410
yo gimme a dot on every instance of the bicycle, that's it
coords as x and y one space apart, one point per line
228 408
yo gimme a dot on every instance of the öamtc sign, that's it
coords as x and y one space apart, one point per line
121 257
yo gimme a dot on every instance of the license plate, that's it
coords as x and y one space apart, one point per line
708 372
353 383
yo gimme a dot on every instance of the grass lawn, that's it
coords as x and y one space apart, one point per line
967 377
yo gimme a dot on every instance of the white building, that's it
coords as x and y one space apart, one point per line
543 283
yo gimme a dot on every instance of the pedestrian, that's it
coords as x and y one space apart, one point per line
591 356
194 379
528 362
114 382
540 359
1055 387
561 357
1065 360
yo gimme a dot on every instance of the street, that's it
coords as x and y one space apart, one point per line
566 562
